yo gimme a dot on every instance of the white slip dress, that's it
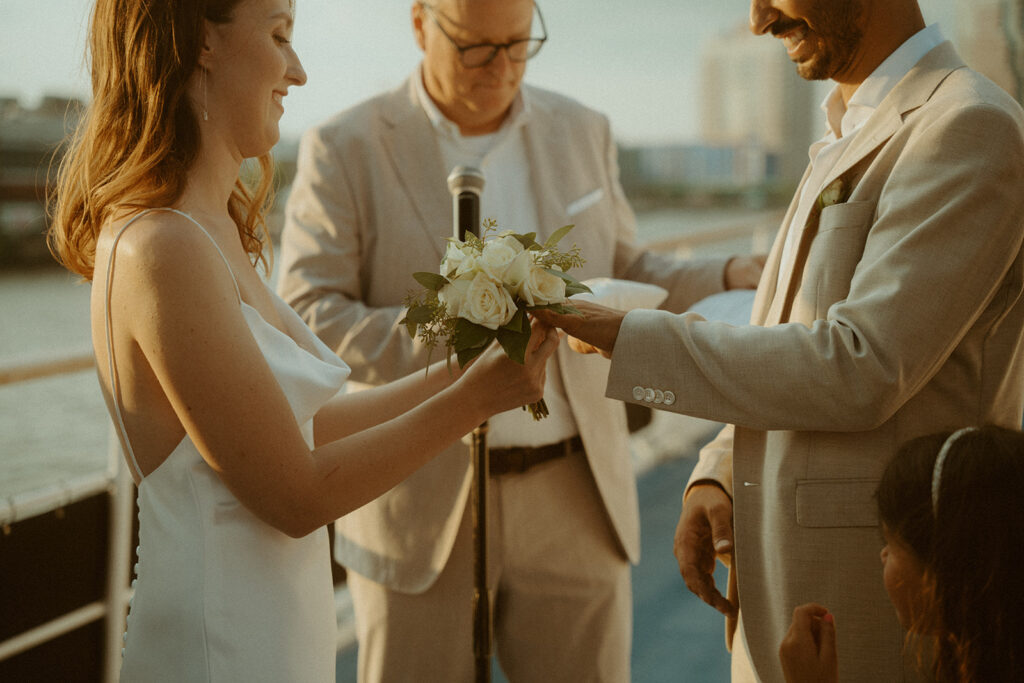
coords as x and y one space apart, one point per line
219 594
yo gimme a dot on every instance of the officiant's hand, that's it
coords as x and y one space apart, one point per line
593 332
744 272
705 532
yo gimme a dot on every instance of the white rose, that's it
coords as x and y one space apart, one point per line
518 271
458 260
497 255
487 303
453 295
541 287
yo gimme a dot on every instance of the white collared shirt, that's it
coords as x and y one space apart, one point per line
845 121
508 198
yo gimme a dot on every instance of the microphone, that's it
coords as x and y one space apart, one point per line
466 185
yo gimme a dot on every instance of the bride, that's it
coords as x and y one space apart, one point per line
227 406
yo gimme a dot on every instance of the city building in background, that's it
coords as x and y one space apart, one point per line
758 118
756 125
29 139
702 176
752 98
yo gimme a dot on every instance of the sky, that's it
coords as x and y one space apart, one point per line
635 61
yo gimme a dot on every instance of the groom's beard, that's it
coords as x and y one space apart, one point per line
833 40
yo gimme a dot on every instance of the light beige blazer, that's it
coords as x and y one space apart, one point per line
370 206
904 316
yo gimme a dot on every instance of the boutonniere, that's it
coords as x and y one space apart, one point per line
837 192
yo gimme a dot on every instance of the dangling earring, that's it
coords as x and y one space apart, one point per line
206 113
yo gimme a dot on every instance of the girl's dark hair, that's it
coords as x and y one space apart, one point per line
972 547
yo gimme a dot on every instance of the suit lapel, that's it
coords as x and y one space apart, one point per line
910 93
415 157
544 169
766 301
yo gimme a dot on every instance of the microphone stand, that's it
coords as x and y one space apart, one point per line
465 184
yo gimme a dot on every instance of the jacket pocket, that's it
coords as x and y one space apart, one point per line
846 215
834 254
836 502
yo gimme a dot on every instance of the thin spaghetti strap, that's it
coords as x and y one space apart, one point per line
115 390
114 384
216 246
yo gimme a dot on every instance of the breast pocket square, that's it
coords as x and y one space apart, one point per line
585 202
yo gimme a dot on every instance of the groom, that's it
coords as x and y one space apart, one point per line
892 305
368 208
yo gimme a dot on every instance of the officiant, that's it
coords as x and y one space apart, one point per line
369 206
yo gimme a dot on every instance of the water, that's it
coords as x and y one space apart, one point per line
58 427
54 428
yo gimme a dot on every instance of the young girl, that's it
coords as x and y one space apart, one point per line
227 406
950 508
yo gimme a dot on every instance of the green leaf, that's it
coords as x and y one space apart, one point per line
420 315
466 355
518 322
528 240
557 235
470 335
576 288
570 282
431 281
514 344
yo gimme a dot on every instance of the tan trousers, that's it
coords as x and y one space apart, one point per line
559 588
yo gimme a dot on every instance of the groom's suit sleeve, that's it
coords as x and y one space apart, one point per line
935 268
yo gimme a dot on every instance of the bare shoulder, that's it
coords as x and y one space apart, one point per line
163 259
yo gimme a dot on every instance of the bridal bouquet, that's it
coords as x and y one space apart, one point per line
485 289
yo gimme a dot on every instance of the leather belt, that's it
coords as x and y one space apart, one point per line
518 459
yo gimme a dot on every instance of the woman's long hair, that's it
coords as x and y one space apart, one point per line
971 544
139 136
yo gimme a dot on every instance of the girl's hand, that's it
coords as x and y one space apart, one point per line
808 652
501 384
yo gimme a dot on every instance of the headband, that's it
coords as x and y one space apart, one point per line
941 460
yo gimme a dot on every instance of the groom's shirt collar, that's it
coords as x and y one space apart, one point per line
844 120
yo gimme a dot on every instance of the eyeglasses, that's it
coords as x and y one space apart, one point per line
482 54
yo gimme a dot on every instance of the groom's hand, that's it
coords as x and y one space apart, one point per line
595 331
705 532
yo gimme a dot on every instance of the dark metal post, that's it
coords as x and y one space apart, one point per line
466 184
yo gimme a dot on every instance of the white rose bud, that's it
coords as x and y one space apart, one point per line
518 271
453 295
487 303
458 260
541 287
497 255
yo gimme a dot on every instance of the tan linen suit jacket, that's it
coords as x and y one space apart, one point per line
904 316
370 206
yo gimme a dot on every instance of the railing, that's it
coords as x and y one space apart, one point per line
116 482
